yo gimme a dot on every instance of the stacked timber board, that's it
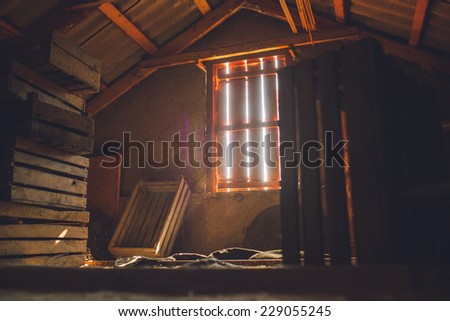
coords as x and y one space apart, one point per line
151 220
56 59
45 135
40 236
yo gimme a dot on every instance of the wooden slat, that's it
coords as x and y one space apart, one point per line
167 225
252 48
288 16
39 213
177 221
42 231
22 247
31 196
290 224
36 161
32 177
418 21
361 106
310 188
203 6
211 20
51 153
339 10
110 11
126 219
65 260
336 227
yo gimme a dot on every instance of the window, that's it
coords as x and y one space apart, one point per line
245 114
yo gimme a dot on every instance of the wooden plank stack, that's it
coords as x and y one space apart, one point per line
151 221
45 135
394 146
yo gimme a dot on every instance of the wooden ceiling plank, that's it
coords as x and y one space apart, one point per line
339 10
288 15
203 6
418 21
112 13
287 43
199 29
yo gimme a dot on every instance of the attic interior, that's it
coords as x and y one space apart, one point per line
114 118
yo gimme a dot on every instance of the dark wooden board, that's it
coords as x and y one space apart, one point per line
12 210
33 247
42 231
336 226
63 260
289 207
310 189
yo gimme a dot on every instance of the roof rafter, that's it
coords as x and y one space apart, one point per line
287 14
110 11
251 48
199 29
418 21
339 10
203 6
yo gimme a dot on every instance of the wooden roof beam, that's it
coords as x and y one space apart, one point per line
203 6
339 10
195 32
251 48
418 21
287 14
110 11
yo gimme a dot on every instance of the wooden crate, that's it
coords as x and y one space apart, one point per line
19 81
151 220
32 235
35 174
46 124
57 59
